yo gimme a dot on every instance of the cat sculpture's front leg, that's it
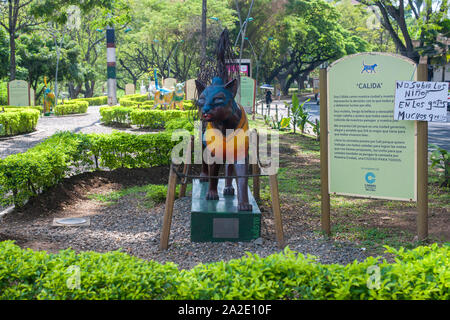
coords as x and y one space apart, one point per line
213 194
242 185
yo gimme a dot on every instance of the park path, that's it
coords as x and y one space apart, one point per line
47 126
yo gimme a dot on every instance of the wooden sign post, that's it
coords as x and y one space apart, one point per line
325 194
422 167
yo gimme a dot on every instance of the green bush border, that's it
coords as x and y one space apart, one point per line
15 108
94 101
421 273
71 107
142 117
18 121
27 174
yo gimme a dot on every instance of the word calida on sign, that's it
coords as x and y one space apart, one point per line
373 85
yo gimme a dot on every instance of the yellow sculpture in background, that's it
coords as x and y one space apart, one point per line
49 98
178 97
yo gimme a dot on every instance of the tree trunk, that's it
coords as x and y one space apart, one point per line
89 93
12 47
74 91
204 11
301 81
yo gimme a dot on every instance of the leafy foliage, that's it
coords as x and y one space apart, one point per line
95 101
300 116
421 273
441 159
111 115
27 174
155 119
18 120
70 107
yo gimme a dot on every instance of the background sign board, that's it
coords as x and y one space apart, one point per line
130 89
170 83
190 89
247 93
19 93
370 154
421 101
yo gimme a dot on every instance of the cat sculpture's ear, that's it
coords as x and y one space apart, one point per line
200 87
232 86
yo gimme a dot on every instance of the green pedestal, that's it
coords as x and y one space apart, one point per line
220 220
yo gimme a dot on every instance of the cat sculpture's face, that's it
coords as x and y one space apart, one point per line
217 100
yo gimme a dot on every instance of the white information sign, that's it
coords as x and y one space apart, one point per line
421 101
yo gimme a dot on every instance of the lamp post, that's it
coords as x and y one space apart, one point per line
250 19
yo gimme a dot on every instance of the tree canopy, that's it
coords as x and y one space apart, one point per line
286 39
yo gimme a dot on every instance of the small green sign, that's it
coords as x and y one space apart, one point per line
248 91
370 154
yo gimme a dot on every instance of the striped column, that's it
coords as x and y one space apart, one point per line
111 68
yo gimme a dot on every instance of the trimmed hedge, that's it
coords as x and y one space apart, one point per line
15 108
27 174
155 119
422 273
148 118
95 101
110 115
71 107
176 124
18 120
133 100
126 150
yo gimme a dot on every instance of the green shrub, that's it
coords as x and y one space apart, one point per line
149 104
421 273
17 121
125 150
95 101
189 105
176 124
15 108
25 274
71 107
27 174
24 175
110 115
3 92
133 100
155 119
